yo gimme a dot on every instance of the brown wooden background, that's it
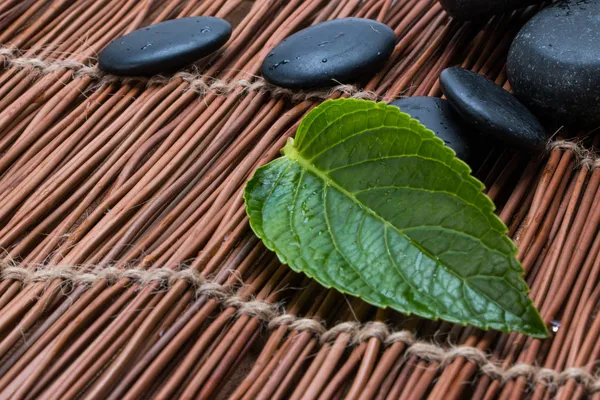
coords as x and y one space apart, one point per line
129 268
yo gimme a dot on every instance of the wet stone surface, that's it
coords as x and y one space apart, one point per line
554 63
491 110
437 115
339 51
164 47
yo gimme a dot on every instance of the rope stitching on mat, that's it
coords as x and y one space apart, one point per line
584 156
275 316
203 84
199 83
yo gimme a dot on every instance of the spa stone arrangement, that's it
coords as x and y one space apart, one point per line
552 66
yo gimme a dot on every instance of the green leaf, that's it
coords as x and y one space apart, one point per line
368 201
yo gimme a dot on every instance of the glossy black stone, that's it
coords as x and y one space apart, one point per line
163 47
490 109
481 10
338 51
437 115
554 62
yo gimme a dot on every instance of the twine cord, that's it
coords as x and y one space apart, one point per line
199 83
274 316
203 85
584 156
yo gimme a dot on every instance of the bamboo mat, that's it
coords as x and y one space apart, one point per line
130 270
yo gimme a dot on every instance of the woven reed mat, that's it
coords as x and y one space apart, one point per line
129 270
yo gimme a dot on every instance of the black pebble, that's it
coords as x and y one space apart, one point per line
490 109
554 62
437 115
482 10
164 47
338 51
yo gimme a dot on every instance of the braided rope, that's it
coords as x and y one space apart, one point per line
199 83
584 156
203 85
275 317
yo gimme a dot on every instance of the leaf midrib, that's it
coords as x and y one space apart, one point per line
294 155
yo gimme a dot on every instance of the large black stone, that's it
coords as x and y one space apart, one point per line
163 47
490 109
338 51
482 10
554 62
437 115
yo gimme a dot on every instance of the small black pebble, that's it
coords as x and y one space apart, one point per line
333 52
437 115
164 47
490 109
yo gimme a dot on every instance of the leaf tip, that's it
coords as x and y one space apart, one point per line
539 329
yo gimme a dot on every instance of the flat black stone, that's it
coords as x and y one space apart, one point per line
481 10
437 115
554 63
490 109
164 47
333 52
